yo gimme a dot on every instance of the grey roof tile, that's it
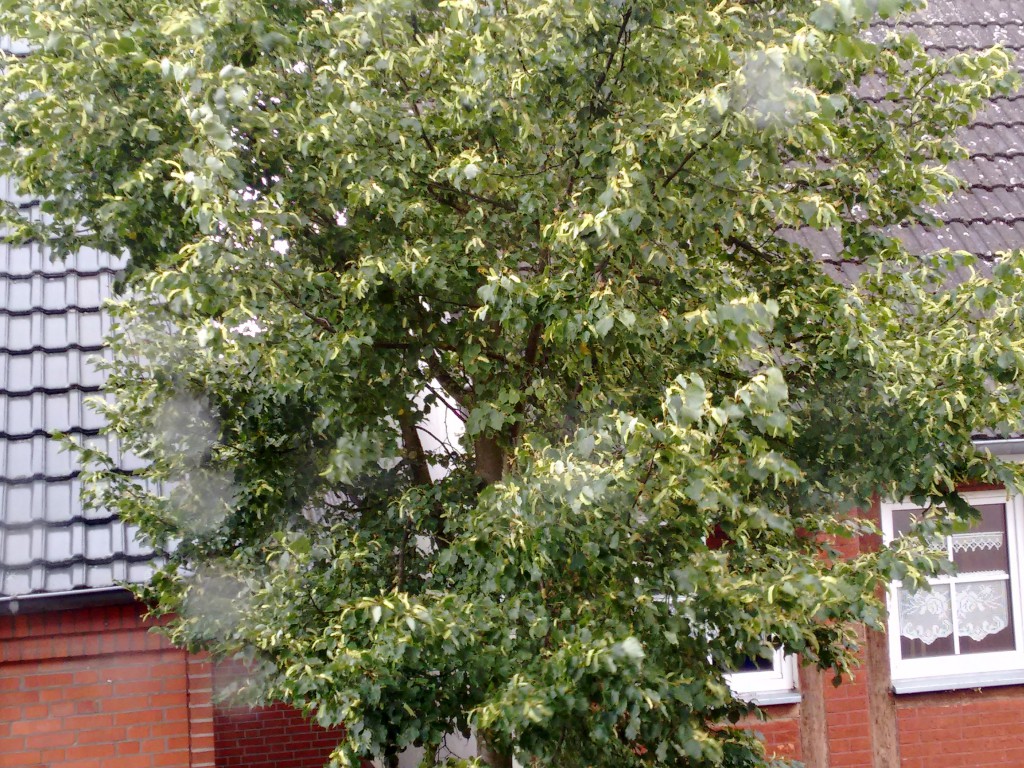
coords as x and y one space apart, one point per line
51 332
987 216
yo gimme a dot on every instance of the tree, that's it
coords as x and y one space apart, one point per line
579 227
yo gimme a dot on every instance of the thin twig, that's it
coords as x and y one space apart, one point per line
689 156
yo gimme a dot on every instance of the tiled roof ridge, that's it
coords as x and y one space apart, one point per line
67 562
65 523
45 350
996 100
993 156
993 124
969 221
994 186
991 257
86 389
947 48
959 23
40 477
72 431
71 272
25 205
66 477
44 311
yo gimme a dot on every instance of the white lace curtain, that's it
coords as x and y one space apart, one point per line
982 609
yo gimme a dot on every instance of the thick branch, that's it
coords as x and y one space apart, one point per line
451 190
490 459
417 459
611 54
750 248
414 453
490 755
529 360
452 387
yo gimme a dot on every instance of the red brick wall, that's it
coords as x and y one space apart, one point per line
91 688
962 729
781 732
849 735
270 737
266 737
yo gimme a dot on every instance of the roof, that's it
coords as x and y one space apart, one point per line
988 215
51 327
51 323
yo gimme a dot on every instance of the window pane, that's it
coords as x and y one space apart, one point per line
969 612
755 664
904 519
926 622
983 617
983 547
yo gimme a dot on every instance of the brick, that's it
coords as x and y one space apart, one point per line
94 750
26 727
139 717
49 681
63 738
108 735
128 761
21 759
10 745
21 698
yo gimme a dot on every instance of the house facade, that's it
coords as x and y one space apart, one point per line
84 683
922 696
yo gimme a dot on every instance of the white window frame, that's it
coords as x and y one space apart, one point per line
765 687
975 670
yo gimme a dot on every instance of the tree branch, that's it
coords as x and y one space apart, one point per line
414 453
452 387
689 156
414 103
611 54
502 204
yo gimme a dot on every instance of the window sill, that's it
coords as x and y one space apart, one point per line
770 698
958 682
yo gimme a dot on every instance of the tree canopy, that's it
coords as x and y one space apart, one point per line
577 228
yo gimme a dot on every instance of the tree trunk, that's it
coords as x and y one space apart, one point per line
414 452
491 756
490 466
490 459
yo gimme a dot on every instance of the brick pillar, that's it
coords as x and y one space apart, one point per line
199 670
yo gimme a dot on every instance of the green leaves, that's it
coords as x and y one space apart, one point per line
685 404
523 406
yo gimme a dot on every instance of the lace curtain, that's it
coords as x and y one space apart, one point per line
982 609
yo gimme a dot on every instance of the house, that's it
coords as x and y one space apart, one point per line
83 683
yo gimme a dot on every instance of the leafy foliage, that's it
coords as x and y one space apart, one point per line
580 228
